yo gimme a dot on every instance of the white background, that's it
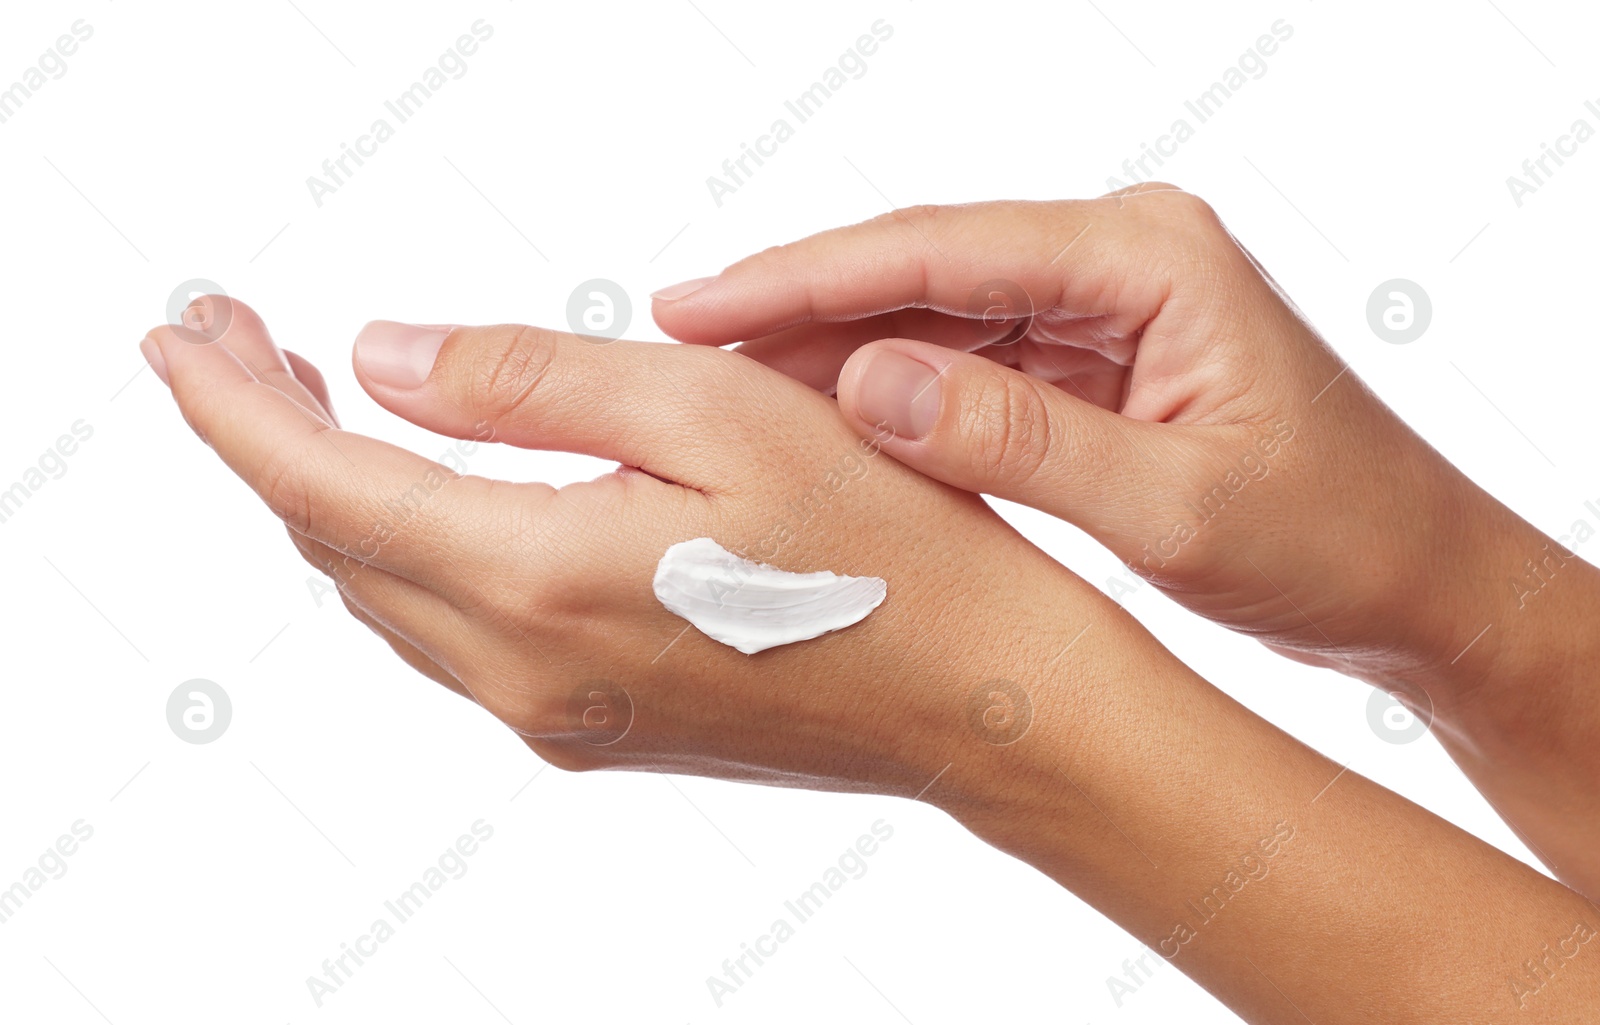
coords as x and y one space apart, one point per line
178 144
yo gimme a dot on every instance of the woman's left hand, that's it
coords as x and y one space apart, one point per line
537 602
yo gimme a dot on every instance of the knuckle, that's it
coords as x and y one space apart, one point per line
921 216
566 756
505 372
543 586
1175 209
1190 217
542 717
532 595
1149 188
1006 418
711 397
515 703
1190 211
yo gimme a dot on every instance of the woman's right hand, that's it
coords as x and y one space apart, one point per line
1148 381
1171 402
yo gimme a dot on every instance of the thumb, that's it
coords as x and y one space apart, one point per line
641 404
983 427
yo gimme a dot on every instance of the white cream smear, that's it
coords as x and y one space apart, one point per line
751 606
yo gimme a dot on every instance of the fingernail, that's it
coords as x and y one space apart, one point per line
681 289
399 355
898 392
152 356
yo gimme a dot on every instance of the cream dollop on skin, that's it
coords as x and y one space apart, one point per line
751 606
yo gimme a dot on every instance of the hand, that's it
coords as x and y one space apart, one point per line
537 602
1170 400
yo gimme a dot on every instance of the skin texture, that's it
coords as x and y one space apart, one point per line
1281 883
1147 380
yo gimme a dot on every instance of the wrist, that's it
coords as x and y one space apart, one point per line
1501 624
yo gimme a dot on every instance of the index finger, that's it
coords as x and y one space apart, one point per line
373 502
1094 258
